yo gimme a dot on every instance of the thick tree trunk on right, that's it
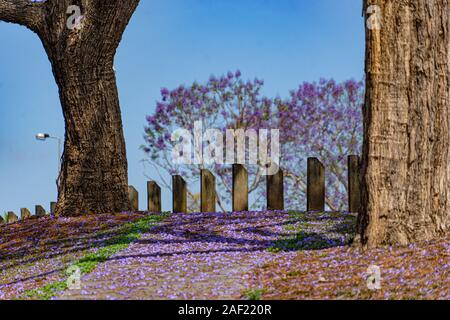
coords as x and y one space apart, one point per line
406 160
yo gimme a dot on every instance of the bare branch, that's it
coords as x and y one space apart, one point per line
23 12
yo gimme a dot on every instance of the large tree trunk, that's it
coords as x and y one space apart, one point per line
93 177
406 160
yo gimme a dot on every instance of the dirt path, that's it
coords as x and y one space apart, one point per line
188 256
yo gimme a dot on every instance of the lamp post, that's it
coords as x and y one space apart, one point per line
44 137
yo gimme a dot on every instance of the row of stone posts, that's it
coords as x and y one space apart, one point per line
315 194
315 184
274 185
25 214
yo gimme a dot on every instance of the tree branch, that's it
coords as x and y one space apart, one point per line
23 12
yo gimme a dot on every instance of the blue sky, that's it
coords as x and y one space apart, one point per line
169 42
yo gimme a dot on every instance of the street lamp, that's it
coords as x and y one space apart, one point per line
44 137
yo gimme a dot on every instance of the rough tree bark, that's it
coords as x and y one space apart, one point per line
406 160
94 177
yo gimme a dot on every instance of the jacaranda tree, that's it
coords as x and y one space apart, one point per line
322 120
318 119
222 103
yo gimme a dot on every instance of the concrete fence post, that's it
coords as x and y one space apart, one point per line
207 191
133 196
25 214
153 197
52 208
11 217
240 188
179 194
315 193
39 211
275 191
354 188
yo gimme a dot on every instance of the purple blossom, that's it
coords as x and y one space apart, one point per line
321 120
165 93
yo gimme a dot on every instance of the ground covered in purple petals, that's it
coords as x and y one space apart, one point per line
35 252
316 264
251 255
189 256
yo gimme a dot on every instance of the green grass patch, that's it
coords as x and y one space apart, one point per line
254 294
315 231
125 235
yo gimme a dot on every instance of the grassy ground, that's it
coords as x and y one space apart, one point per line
256 255
36 255
187 256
